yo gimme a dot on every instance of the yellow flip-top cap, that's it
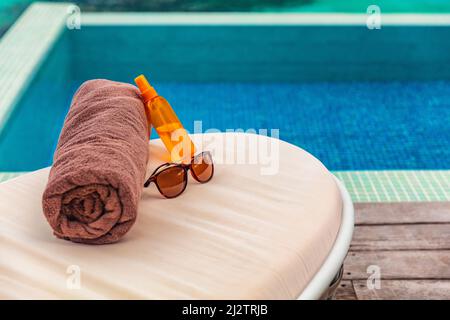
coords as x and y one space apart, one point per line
147 91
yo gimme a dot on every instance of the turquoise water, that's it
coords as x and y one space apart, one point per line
383 109
347 126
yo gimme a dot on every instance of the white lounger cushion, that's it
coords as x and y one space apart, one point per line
243 235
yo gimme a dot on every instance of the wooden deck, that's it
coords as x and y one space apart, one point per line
408 242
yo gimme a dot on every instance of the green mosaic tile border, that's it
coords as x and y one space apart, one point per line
9 175
379 186
397 185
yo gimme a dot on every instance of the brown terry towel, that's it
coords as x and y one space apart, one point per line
99 164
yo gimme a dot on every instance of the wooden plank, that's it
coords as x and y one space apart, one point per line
345 291
401 237
399 264
404 289
402 212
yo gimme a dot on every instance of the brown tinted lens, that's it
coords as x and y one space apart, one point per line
202 167
171 181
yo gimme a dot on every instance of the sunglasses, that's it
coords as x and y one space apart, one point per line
171 178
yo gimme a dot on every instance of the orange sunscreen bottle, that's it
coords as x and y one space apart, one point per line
166 123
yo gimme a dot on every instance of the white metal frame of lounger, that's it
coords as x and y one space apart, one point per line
333 263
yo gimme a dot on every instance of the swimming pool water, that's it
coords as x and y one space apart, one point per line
355 99
348 126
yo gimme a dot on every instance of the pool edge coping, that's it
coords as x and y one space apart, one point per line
257 18
22 51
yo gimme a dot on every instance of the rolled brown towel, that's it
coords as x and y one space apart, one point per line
99 164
